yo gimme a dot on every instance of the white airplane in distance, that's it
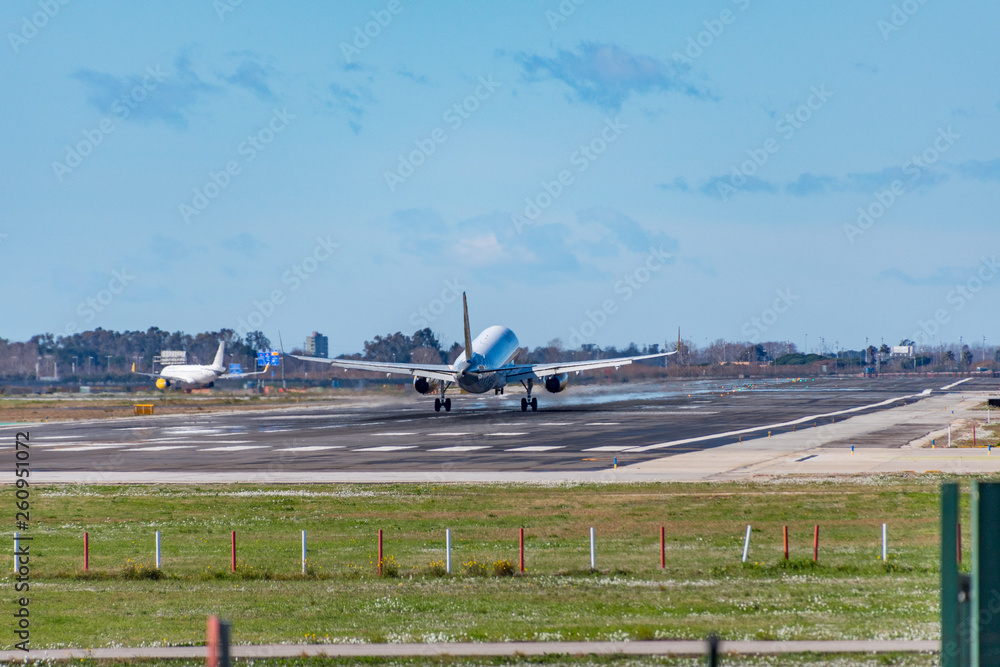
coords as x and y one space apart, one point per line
488 363
196 375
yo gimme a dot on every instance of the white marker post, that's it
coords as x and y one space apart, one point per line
593 550
949 435
885 544
17 547
303 552
157 550
746 544
447 550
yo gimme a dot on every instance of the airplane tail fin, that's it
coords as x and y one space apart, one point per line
468 332
219 357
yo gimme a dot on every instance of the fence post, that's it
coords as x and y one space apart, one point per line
663 547
521 548
593 550
380 552
885 544
746 544
303 552
157 550
232 550
86 552
784 531
447 550
816 543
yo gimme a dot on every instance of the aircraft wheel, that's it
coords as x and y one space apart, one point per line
524 404
447 405
534 404
437 405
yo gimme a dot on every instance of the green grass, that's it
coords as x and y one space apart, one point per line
705 588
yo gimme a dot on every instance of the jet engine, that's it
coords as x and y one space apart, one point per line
556 383
423 385
161 383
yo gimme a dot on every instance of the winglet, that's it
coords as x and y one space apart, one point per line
468 332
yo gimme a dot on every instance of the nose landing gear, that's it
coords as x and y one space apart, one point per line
525 402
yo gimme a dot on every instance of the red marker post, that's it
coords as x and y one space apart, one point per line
521 541
663 547
380 552
784 531
816 543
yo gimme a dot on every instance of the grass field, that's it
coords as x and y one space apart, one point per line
705 588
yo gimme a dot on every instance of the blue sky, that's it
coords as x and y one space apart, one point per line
589 171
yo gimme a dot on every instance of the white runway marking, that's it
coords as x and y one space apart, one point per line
311 448
385 448
801 420
234 448
536 448
555 424
447 434
609 448
80 444
162 448
84 448
955 384
225 442
393 433
602 424
460 448
503 435
187 430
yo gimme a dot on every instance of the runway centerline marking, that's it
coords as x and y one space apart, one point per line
161 448
801 420
385 448
445 434
234 448
392 433
504 435
603 424
609 448
460 448
311 448
536 448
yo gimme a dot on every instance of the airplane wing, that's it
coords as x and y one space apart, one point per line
227 376
539 371
441 372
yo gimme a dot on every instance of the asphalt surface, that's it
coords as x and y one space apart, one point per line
582 429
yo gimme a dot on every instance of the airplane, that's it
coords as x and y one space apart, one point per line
196 375
488 363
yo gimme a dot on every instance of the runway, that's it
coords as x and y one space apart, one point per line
581 431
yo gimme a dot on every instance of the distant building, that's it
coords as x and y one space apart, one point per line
901 351
316 345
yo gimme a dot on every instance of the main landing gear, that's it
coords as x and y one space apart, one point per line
442 402
525 402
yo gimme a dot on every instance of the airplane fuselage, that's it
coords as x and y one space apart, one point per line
493 348
189 374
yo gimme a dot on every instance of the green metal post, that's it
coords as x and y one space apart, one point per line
954 642
985 609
